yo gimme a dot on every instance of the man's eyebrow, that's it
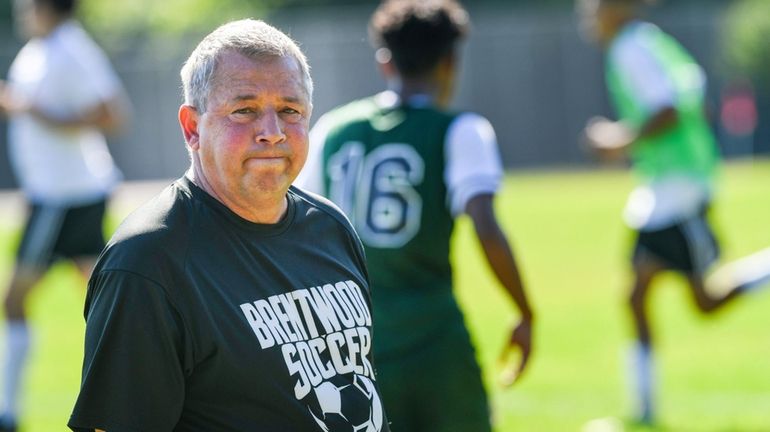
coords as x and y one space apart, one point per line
251 97
245 97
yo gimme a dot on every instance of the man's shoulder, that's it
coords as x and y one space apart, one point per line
313 201
157 229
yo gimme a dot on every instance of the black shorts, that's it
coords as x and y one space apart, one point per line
56 232
689 246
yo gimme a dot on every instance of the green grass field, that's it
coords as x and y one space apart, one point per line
572 248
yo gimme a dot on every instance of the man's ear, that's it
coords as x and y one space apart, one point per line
188 120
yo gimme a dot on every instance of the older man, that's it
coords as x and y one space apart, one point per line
233 302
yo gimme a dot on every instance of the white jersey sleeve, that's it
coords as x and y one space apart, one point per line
311 177
643 73
473 164
88 75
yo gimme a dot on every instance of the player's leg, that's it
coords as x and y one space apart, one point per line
33 259
702 250
646 267
707 301
746 274
17 340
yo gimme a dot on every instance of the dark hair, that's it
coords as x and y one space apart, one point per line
631 2
418 33
61 7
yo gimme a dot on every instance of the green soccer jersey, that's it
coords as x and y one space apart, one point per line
648 70
402 172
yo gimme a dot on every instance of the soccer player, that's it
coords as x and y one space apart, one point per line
232 301
61 95
658 91
403 166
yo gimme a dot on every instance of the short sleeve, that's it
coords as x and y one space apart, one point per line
91 77
133 368
643 75
473 164
311 178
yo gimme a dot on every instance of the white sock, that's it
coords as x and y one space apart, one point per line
748 273
753 271
643 379
17 346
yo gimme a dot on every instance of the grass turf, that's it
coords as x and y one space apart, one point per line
572 249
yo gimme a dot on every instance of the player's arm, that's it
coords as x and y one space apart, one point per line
500 257
108 115
7 102
612 138
473 175
654 96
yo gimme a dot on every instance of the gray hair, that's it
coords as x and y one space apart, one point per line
252 38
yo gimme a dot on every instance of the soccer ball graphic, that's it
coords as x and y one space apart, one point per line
352 407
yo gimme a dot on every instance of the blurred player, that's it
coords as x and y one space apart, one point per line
658 91
61 94
403 166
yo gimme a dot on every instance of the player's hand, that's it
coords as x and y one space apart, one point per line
607 138
519 346
3 98
10 103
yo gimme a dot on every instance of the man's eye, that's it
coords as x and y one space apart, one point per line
243 111
291 111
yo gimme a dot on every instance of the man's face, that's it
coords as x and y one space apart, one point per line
253 138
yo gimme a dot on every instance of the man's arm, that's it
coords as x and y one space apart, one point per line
140 387
500 257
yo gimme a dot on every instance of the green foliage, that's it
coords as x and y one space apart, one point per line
746 36
167 17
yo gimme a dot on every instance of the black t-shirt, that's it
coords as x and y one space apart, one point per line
198 320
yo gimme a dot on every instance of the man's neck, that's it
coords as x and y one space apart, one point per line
269 210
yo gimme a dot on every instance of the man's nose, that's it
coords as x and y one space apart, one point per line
270 128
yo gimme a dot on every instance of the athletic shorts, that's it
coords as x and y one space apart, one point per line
56 232
436 388
689 246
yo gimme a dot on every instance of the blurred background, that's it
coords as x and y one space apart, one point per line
527 69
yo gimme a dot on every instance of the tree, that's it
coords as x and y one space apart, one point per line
745 40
